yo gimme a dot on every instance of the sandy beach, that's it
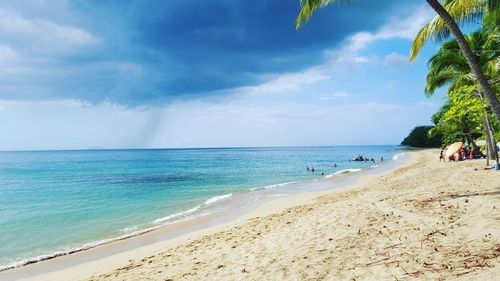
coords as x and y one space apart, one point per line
425 220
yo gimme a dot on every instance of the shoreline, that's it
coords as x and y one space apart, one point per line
192 227
427 220
205 209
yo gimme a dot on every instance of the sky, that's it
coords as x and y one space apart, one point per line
79 74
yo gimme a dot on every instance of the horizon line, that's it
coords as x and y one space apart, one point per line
190 148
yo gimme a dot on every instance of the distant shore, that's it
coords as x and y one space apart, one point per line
423 219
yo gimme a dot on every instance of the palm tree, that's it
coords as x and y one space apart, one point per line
461 10
449 66
439 27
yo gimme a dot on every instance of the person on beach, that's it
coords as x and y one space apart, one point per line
441 155
335 165
382 159
373 160
307 168
461 155
312 169
472 152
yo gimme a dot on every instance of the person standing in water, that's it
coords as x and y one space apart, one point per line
382 159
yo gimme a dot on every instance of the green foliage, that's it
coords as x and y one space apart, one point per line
418 137
462 117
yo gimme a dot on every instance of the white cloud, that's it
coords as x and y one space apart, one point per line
42 35
405 27
253 119
200 124
349 58
69 124
287 82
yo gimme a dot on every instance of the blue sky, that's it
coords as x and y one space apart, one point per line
84 74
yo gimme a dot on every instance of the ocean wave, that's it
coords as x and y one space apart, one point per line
345 171
397 156
176 215
71 250
272 185
215 199
130 229
374 166
129 232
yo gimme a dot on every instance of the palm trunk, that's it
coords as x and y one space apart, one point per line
493 145
489 136
489 142
469 56
487 139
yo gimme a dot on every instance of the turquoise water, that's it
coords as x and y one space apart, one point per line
55 201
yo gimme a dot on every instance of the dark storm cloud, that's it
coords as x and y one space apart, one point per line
154 51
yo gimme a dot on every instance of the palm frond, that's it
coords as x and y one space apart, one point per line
435 80
448 60
463 11
492 69
308 8
449 66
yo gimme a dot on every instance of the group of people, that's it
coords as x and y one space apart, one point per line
463 154
312 169
361 158
466 154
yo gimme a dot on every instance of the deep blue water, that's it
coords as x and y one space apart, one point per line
58 200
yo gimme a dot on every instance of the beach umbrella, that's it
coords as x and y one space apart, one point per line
454 148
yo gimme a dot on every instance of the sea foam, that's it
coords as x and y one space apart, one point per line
215 199
271 186
176 215
397 156
345 171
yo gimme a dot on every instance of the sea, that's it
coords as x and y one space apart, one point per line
57 202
